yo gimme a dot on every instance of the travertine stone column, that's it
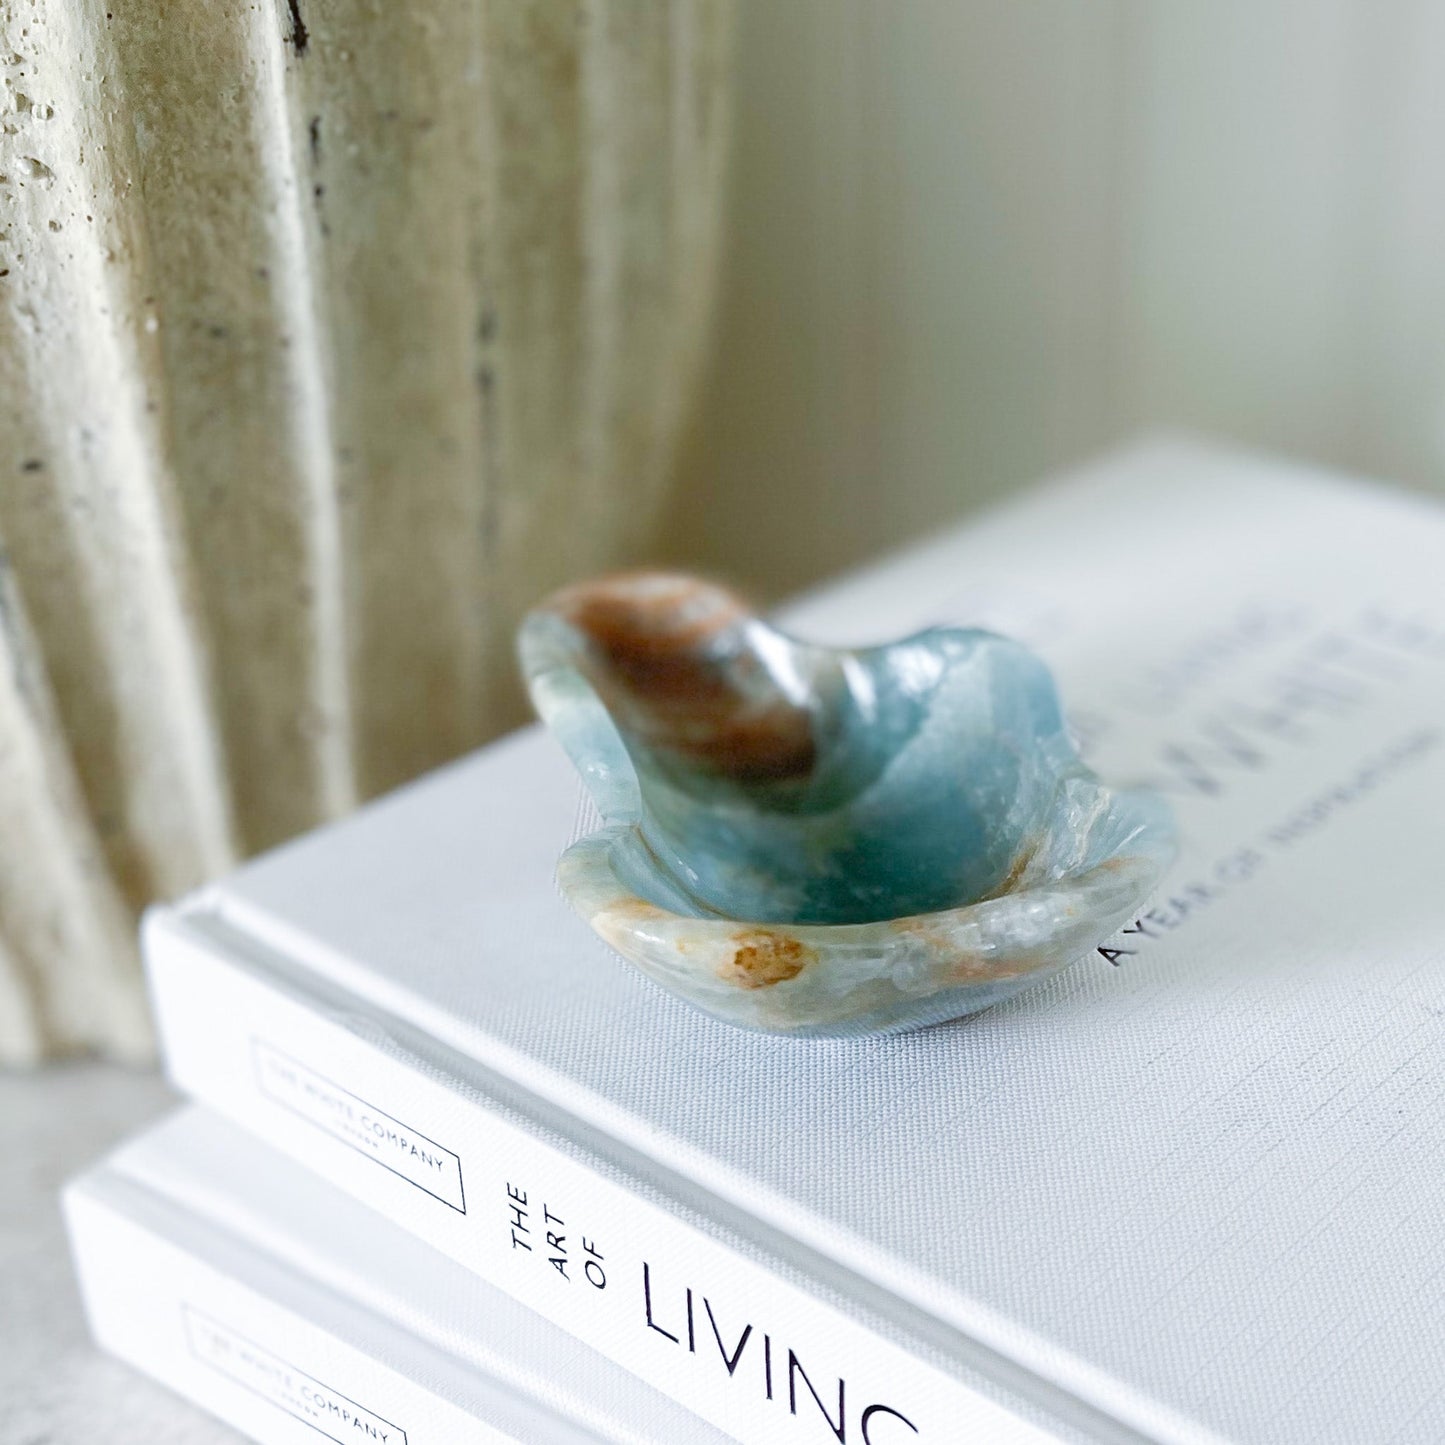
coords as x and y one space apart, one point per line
332 333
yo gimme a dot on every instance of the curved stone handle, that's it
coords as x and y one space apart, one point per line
676 670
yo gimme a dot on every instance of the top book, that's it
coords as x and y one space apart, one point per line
1195 1181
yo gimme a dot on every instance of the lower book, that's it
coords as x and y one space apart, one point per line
286 1309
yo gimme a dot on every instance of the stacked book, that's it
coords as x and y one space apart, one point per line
459 1174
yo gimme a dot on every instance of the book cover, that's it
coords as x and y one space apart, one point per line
266 1296
1188 1190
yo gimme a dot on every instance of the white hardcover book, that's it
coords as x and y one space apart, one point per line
1190 1189
273 1300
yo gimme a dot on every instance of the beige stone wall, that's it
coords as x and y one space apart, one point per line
332 332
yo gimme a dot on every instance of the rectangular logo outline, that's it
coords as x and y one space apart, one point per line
257 1044
189 1310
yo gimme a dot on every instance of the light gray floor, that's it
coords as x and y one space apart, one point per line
55 1388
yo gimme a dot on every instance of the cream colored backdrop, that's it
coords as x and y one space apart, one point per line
972 240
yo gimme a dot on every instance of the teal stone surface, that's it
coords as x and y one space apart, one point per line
826 842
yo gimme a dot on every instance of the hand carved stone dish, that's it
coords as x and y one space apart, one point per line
827 843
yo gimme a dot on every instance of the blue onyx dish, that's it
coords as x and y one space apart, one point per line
821 842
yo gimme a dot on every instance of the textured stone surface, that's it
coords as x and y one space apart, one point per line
332 333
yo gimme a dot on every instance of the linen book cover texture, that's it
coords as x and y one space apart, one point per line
1196 1179
246 1283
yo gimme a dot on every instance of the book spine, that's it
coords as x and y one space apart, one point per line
679 1305
214 1337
